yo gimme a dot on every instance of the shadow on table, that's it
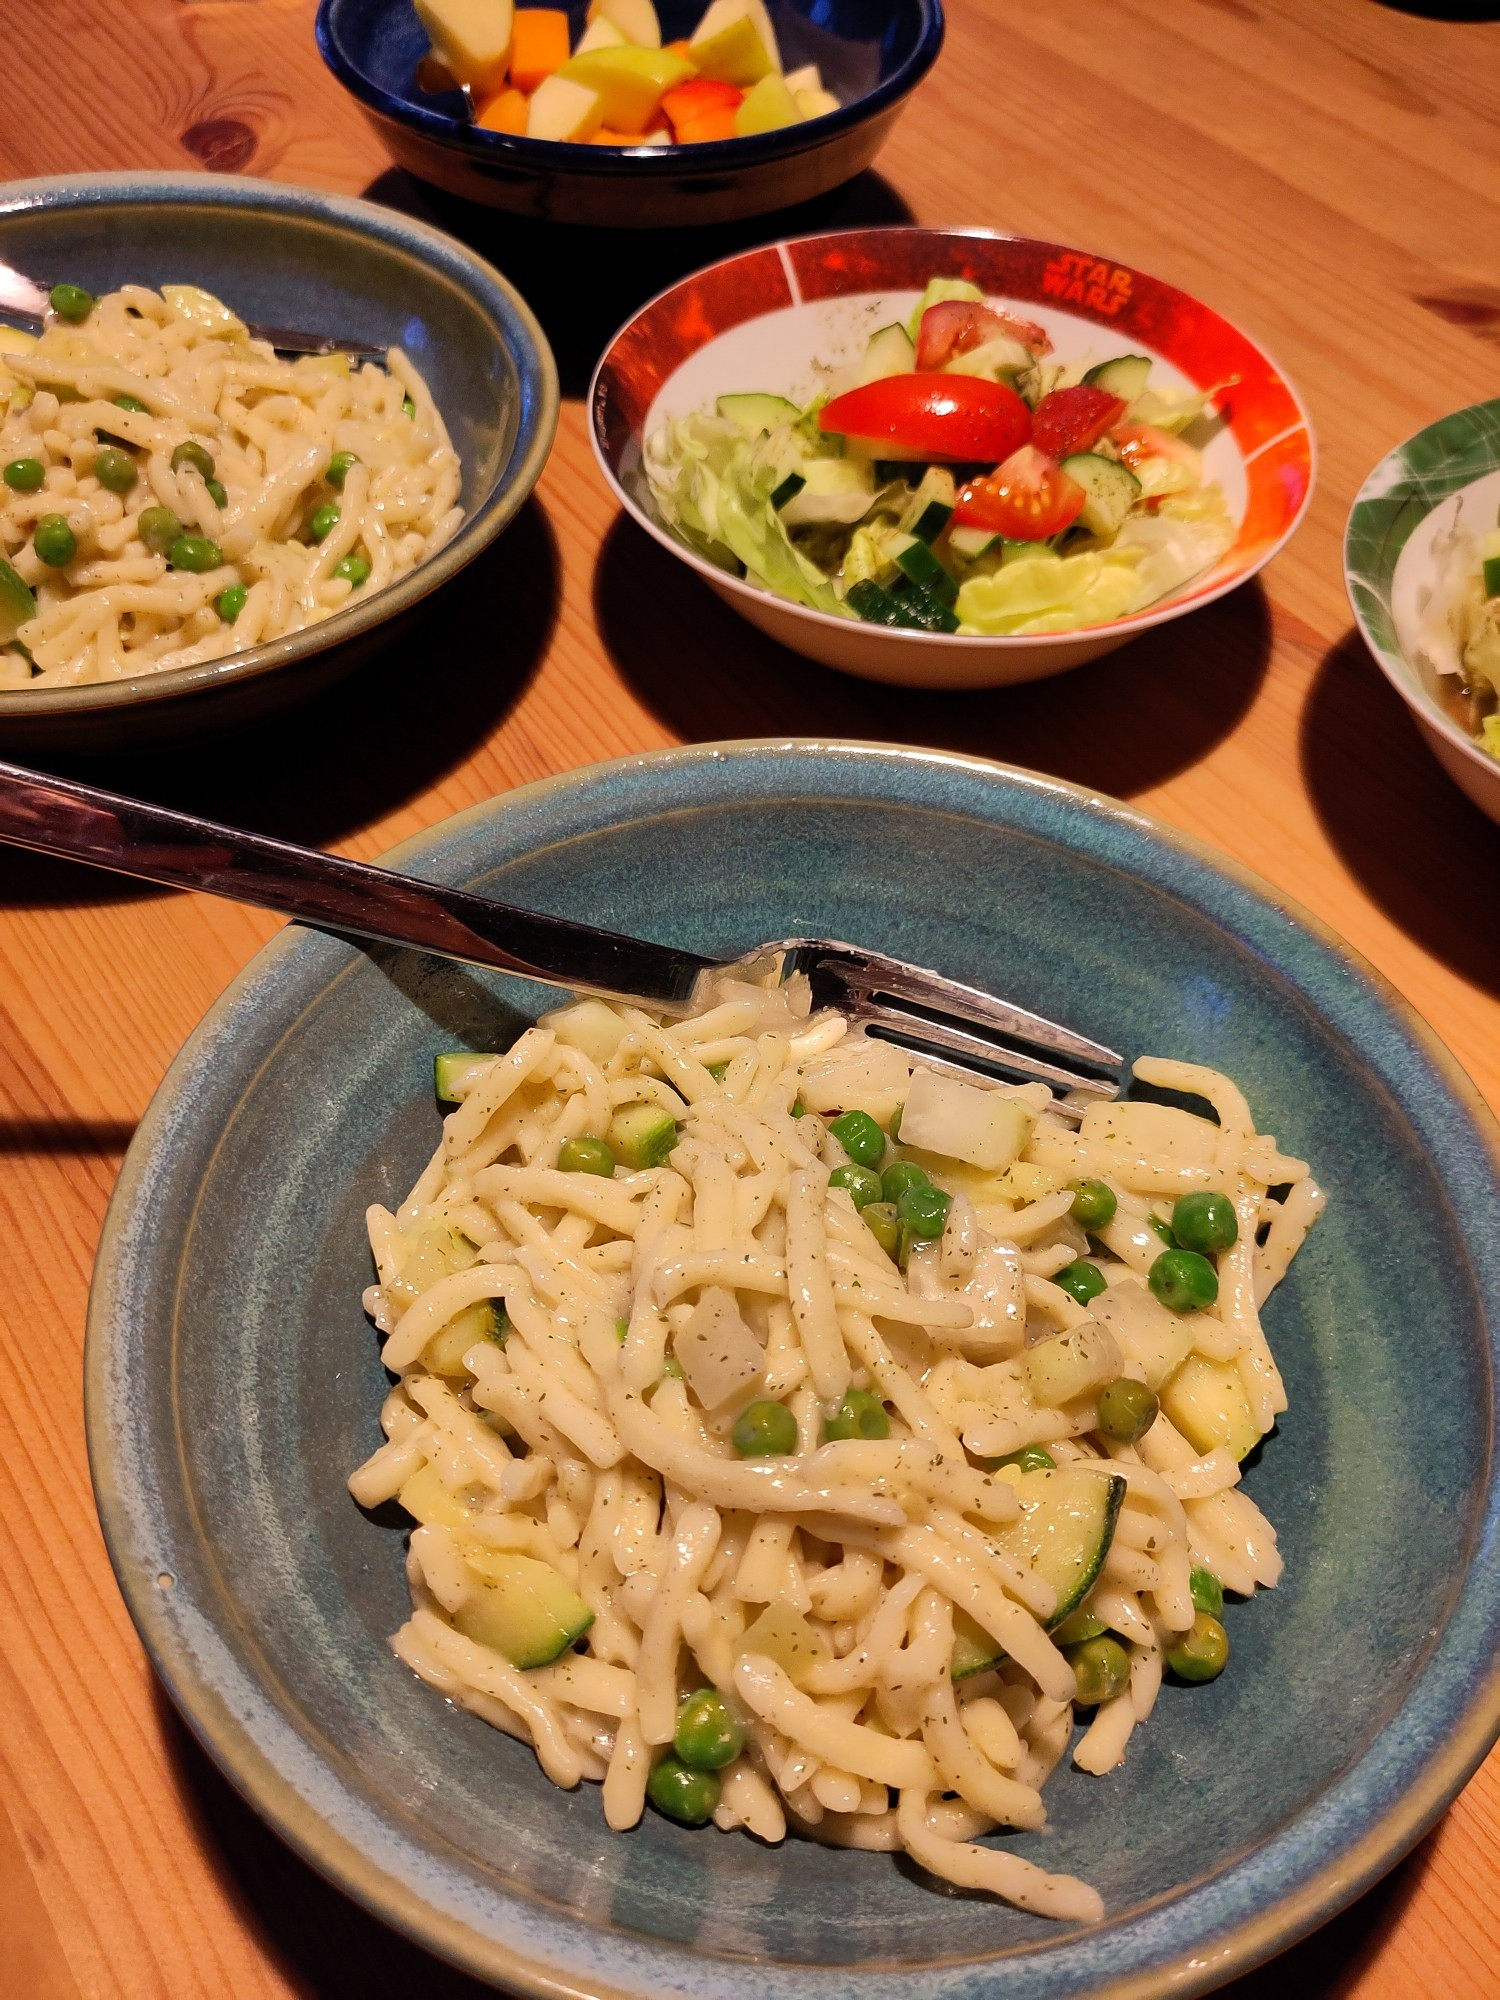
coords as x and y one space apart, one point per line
104 1137
327 1948
356 752
1398 821
1121 725
1332 1962
583 283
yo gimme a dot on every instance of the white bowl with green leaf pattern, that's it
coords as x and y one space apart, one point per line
1445 478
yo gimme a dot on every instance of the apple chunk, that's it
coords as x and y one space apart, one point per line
471 38
563 109
735 43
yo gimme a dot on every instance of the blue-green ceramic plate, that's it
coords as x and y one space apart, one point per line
233 1381
1411 498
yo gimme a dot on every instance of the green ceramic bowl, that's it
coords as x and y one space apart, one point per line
233 1381
1446 473
292 257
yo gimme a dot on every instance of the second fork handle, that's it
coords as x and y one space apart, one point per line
106 830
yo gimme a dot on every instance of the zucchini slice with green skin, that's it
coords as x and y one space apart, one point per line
918 562
1124 375
642 1135
453 1074
1067 1523
754 411
1110 490
974 1651
17 603
523 1609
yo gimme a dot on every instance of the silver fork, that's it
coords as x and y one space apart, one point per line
938 1021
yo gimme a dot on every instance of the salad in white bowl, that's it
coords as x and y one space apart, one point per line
957 477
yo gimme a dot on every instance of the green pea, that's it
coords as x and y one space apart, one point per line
765 1429
1163 1230
1083 1280
158 528
896 1122
133 403
115 470
1201 1654
1183 1281
709 1735
861 1186
1207 1592
717 1071
860 1137
1101 1670
1127 1410
355 568
24 475
622 1330
799 1109
880 1220
231 602
216 493
190 452
408 407
1093 1204
860 1415
671 1369
1078 1628
338 468
1030 1458
586 1156
54 541
324 520
901 1175
924 1211
1205 1222
683 1794
71 302
196 553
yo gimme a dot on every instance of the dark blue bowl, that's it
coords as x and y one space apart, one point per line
872 53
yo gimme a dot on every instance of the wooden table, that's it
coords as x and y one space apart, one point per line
1327 175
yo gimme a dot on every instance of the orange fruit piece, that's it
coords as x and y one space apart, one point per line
539 45
504 112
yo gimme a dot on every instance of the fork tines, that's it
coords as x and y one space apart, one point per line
950 1026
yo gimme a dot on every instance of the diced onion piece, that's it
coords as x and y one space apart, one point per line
873 1077
1078 1362
985 1128
785 1636
1156 1340
720 1354
1152 1129
589 1026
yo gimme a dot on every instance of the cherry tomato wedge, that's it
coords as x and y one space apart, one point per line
958 326
1074 419
930 416
1026 499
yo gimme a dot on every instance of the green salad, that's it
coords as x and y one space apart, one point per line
955 479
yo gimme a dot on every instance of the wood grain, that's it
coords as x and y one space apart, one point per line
1329 176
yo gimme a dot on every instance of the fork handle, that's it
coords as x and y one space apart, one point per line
84 823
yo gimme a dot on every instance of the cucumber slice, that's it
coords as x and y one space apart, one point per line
1123 376
17 603
1206 1400
974 1651
922 566
789 488
1110 490
931 507
833 491
642 1135
1067 1524
971 543
863 562
874 605
523 1609
755 412
922 609
1491 574
888 352
453 1074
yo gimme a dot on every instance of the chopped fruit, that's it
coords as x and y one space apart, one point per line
600 34
1027 499
815 103
735 42
539 46
630 83
767 107
562 109
471 37
505 112
635 19
1074 419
